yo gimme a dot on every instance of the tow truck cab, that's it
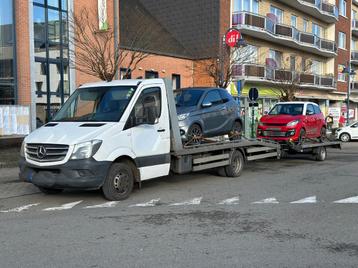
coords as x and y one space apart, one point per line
101 124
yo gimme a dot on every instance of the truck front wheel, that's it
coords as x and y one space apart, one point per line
236 165
119 182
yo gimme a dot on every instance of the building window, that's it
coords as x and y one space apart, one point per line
176 81
7 54
305 25
151 75
294 21
316 30
342 8
353 44
278 13
50 24
341 40
123 74
316 67
246 5
341 76
354 15
276 56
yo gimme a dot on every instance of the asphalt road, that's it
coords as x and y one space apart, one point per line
196 220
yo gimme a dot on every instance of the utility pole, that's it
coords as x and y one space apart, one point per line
347 70
116 31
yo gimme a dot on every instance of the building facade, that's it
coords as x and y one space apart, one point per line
301 43
305 43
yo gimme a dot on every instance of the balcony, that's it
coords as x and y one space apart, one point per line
264 28
268 75
354 57
319 9
355 28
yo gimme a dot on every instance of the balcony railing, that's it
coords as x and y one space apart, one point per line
269 74
257 22
323 6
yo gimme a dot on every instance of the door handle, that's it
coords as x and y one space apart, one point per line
161 130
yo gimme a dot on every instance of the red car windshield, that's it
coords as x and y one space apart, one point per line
287 109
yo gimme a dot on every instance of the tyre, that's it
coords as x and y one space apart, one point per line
119 182
345 137
321 154
236 165
235 133
195 135
302 136
50 190
323 134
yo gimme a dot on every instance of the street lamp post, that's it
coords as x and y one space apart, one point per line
347 70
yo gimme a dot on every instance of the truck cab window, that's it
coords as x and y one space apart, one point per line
147 109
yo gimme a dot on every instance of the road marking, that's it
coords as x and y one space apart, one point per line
19 209
194 201
230 201
350 200
151 203
311 199
271 200
64 206
105 205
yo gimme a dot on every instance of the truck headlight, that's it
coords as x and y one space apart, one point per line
182 117
86 150
293 123
22 150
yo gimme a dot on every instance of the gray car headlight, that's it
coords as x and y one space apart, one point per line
182 117
86 150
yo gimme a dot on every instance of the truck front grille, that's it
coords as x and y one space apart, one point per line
46 152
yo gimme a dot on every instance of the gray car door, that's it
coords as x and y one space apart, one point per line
211 116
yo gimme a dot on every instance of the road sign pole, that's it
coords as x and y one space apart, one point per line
252 121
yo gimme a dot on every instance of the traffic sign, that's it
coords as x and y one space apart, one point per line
253 94
232 37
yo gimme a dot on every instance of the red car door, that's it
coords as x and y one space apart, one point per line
310 121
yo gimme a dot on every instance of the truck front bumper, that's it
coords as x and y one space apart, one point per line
75 174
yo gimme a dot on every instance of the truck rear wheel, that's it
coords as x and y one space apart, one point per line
236 165
119 182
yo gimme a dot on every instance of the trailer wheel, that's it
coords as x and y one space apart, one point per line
119 182
321 153
236 165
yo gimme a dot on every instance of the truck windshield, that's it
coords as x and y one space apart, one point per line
187 98
289 108
96 104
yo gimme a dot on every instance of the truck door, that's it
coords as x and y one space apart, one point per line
150 133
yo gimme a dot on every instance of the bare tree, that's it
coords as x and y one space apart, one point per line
221 68
93 50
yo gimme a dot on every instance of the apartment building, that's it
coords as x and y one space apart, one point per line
304 42
354 49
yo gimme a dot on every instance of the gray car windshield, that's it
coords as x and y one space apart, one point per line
96 104
188 98
289 109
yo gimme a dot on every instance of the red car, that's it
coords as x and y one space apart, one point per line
293 122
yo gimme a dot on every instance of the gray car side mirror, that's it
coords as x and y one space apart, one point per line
207 104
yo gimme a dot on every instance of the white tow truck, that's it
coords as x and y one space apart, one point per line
113 135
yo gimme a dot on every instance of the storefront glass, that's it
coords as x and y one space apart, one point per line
7 54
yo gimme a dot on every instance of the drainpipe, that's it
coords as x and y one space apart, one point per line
116 30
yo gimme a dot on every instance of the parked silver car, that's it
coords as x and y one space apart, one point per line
207 112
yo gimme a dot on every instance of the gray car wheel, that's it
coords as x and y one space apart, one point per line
195 135
235 133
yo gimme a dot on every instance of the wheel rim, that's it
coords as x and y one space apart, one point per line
345 137
236 165
323 153
121 182
195 135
